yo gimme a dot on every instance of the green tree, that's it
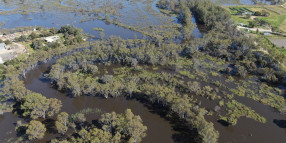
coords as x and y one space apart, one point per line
206 130
96 135
35 130
101 35
13 89
134 127
62 122
126 124
54 107
36 106
107 18
37 44
130 87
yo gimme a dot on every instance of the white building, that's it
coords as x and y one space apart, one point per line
242 24
1 61
2 46
52 38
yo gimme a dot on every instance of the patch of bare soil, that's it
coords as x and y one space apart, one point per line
11 37
279 42
12 51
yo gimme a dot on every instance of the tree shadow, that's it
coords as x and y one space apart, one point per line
280 123
224 123
184 132
50 125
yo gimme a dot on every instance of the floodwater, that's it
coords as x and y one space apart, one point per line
159 129
196 32
250 131
52 19
87 23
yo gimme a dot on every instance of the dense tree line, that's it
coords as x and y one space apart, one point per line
36 106
71 74
223 40
111 127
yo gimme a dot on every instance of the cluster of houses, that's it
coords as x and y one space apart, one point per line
6 52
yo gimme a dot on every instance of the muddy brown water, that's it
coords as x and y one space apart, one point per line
159 129
250 131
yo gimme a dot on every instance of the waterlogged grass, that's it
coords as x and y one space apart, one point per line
235 110
261 92
98 29
187 74
138 16
240 91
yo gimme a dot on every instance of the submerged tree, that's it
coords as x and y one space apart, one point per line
62 122
35 130
96 135
36 106
13 89
113 127
127 124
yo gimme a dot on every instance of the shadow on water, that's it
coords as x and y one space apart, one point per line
50 125
162 126
280 123
223 123
184 133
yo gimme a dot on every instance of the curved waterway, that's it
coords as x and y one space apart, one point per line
159 129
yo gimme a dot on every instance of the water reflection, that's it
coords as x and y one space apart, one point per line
50 19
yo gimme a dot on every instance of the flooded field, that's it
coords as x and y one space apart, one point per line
139 15
248 130
57 20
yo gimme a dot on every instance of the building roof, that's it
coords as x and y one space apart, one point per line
1 61
2 46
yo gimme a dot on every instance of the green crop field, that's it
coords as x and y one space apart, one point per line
277 17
